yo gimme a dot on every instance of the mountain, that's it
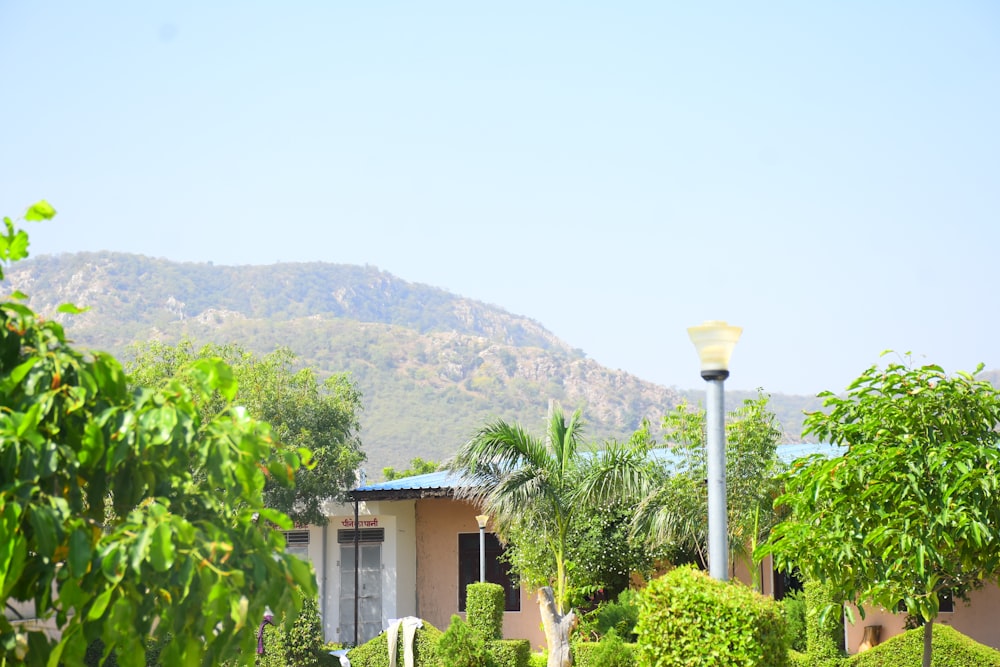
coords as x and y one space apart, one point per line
432 366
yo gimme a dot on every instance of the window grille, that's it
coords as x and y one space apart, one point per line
346 535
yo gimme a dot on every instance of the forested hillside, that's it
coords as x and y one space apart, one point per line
432 366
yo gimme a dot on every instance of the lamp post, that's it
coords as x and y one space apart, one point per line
715 341
481 519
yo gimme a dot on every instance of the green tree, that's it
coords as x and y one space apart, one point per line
529 485
171 560
673 512
417 467
911 510
303 414
548 499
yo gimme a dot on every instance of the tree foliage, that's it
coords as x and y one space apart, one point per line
169 559
303 414
674 512
528 483
532 488
418 466
912 509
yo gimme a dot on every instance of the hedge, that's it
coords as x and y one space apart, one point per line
375 653
686 617
300 645
602 654
824 635
951 649
510 652
484 609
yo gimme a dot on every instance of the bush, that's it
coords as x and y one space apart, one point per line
686 617
509 652
375 652
824 634
796 659
611 651
538 660
951 649
620 616
461 645
794 606
484 609
300 645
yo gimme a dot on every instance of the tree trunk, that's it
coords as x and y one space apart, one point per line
557 628
928 636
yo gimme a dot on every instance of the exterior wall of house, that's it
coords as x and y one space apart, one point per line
439 521
398 579
978 620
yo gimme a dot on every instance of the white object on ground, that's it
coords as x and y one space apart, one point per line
410 625
342 654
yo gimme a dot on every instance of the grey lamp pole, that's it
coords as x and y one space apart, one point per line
715 341
482 519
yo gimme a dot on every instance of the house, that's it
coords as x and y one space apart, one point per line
417 548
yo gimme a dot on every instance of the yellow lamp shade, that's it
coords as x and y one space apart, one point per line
714 341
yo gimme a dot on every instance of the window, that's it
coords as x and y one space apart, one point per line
346 536
497 572
297 542
946 602
786 582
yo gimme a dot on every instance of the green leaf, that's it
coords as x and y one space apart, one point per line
43 525
100 604
71 309
41 210
80 552
140 549
161 548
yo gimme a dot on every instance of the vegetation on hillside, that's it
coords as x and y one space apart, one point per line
430 365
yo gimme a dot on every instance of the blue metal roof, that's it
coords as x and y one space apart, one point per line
443 481
430 480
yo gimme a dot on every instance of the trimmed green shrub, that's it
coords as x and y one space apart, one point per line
300 645
538 660
375 652
620 616
794 606
461 645
951 649
824 634
796 659
686 618
610 651
484 609
509 652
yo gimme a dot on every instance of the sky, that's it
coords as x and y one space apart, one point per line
824 174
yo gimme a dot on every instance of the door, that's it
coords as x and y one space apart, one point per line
370 596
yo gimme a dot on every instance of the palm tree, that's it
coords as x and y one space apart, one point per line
541 484
516 477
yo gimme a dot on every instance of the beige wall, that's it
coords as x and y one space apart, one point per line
978 620
438 524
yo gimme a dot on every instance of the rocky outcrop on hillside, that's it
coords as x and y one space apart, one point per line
432 366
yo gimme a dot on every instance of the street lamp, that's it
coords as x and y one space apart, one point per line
715 341
481 519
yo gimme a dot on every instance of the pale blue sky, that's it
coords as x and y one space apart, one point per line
824 174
